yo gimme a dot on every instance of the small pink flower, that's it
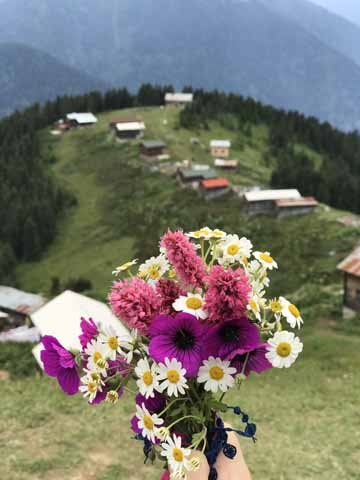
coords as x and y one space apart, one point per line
168 291
228 294
182 254
135 302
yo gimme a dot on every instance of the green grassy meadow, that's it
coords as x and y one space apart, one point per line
307 417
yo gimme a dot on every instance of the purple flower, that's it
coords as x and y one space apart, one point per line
256 360
89 331
179 337
134 424
231 338
153 404
60 363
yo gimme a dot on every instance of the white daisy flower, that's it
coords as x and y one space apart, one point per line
216 233
291 313
124 267
154 268
283 349
97 356
112 342
177 457
91 385
266 260
173 376
147 378
216 374
255 304
128 343
148 423
205 233
234 249
193 303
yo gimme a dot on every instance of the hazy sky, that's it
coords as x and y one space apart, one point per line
349 9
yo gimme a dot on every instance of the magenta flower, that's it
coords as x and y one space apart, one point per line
256 360
60 363
168 291
135 302
179 337
182 254
231 338
153 404
227 295
89 331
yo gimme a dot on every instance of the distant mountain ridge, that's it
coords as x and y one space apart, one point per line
28 75
247 47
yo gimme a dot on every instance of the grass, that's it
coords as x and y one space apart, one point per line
307 418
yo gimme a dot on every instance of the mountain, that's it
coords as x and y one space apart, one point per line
233 45
28 75
333 30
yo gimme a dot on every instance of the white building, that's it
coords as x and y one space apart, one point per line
220 148
178 99
82 119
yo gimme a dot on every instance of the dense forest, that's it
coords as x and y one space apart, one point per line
335 182
31 200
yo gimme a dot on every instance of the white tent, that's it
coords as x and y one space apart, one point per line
61 317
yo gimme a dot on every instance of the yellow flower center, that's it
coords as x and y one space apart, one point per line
294 310
148 378
254 306
275 306
113 343
149 424
173 376
92 387
218 233
194 303
265 257
97 356
154 272
232 249
112 396
95 376
216 373
283 349
172 273
178 454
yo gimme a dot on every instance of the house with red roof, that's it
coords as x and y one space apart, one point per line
214 187
350 267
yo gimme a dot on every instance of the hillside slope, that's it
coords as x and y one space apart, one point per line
226 44
123 208
28 75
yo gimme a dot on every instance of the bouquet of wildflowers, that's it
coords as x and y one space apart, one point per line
199 323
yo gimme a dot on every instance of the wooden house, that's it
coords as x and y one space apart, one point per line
190 177
126 130
225 164
295 206
220 148
214 187
81 119
178 99
17 306
152 148
351 270
263 201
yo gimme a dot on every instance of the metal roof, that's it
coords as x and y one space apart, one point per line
296 202
130 126
220 162
220 143
179 97
61 317
19 301
215 183
82 118
153 144
268 195
204 174
351 264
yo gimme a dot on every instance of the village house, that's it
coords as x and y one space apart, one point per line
81 119
191 177
151 149
178 99
213 188
280 202
351 270
220 148
225 164
295 206
128 128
